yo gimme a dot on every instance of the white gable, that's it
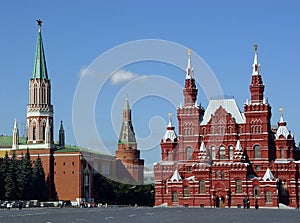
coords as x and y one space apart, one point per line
176 177
229 105
268 175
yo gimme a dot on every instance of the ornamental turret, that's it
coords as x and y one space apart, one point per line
169 142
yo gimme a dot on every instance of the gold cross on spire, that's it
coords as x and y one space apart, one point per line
170 115
189 52
255 47
281 110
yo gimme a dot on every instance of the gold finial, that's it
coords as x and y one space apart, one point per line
39 22
281 110
189 52
170 115
255 47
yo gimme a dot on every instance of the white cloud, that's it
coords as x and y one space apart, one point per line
122 76
84 71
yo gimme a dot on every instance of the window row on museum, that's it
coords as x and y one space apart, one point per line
238 190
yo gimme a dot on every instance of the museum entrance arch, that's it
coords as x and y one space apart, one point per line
220 191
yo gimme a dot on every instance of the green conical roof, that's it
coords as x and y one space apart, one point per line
39 68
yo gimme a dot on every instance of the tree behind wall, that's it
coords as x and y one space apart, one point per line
25 177
11 179
38 181
3 170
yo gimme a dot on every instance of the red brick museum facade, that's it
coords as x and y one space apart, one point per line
221 156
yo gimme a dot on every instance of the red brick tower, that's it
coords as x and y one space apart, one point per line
189 115
258 139
127 151
39 108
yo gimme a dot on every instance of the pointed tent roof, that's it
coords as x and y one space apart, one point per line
15 124
39 67
268 175
61 126
176 176
202 147
282 128
256 65
127 135
170 132
189 68
238 146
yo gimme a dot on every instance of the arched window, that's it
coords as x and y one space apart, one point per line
43 130
213 153
34 131
222 130
189 153
212 130
229 130
257 152
169 155
282 153
204 131
256 191
222 153
202 187
268 197
186 191
174 196
217 174
238 186
35 94
222 174
231 152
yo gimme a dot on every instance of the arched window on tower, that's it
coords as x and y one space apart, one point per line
213 153
189 153
169 155
231 152
222 153
222 174
282 153
257 152
229 130
43 94
35 96
204 131
34 131
238 186
43 124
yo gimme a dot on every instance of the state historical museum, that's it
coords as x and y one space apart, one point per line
222 156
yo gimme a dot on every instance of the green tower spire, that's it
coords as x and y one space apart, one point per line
39 68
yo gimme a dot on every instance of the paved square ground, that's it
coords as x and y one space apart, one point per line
147 215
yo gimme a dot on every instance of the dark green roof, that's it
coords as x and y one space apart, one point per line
69 148
39 67
6 141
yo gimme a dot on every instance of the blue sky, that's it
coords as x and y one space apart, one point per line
75 33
